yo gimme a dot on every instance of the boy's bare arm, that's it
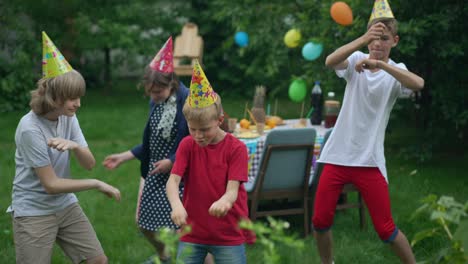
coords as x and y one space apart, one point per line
55 185
172 189
405 77
338 59
221 207
85 157
178 214
83 154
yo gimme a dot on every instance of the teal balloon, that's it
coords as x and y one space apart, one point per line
297 90
312 51
241 38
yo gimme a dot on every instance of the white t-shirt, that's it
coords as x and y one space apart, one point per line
358 136
29 197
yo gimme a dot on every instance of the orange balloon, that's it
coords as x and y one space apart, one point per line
341 13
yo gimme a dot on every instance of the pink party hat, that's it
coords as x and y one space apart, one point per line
201 93
163 61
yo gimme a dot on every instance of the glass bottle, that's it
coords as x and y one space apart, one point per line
316 102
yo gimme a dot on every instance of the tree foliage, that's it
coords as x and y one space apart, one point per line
17 70
432 45
105 39
95 37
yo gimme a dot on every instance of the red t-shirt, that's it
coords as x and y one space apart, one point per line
205 172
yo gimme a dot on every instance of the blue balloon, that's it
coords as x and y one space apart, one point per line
241 38
312 51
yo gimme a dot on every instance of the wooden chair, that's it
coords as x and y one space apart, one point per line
188 48
348 188
284 174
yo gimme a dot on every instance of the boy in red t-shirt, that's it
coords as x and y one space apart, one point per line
213 166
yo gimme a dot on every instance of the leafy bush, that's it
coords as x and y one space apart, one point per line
449 215
17 69
270 237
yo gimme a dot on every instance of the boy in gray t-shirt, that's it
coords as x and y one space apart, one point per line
30 198
44 208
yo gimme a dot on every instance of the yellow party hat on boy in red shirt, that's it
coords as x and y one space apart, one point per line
163 61
53 62
381 9
201 92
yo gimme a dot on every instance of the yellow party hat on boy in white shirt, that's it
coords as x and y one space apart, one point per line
201 92
53 62
381 9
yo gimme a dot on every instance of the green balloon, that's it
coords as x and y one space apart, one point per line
297 90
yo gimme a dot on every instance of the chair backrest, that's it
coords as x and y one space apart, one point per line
187 47
286 159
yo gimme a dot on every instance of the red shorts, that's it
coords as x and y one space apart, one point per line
373 188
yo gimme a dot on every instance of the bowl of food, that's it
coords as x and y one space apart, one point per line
273 121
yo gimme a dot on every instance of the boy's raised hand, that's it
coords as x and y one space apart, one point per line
366 64
61 144
220 208
179 216
375 32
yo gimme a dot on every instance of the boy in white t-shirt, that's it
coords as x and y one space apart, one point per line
354 152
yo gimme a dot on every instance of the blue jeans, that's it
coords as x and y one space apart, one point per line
190 253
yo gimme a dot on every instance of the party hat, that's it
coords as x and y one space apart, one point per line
201 92
163 61
53 62
381 9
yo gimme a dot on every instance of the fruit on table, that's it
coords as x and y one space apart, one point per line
271 123
244 123
275 119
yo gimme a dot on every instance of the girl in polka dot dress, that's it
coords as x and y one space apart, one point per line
165 128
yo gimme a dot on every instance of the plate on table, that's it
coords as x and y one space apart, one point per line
254 127
247 135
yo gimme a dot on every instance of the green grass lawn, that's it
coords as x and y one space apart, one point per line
113 123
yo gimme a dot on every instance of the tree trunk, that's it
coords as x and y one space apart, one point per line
107 70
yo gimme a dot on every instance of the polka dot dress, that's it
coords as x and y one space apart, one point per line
155 210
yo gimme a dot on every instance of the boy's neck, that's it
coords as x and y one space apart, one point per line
219 136
52 116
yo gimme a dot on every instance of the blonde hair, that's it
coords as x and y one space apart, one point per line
390 22
202 115
52 92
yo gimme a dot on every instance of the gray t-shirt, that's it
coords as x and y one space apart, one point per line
29 197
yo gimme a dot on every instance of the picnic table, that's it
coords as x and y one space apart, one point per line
255 145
